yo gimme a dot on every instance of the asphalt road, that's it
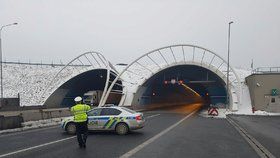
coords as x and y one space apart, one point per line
168 133
266 129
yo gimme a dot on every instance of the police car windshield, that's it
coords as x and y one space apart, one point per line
128 110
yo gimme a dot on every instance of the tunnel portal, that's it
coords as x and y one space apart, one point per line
180 85
80 85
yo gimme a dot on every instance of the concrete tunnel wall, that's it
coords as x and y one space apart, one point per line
212 93
80 84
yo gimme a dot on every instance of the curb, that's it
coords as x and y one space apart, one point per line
27 128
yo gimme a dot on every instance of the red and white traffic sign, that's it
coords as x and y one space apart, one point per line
213 111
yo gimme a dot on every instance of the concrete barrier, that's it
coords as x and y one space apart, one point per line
38 114
10 122
9 104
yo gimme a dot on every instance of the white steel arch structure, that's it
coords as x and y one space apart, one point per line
85 62
147 65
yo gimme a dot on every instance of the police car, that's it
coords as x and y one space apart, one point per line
108 118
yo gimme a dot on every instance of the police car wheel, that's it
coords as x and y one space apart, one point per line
122 129
71 128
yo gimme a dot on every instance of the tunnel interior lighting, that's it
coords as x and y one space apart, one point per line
180 82
187 87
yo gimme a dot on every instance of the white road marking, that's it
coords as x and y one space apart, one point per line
34 147
152 116
149 141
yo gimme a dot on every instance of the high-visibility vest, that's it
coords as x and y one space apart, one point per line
80 112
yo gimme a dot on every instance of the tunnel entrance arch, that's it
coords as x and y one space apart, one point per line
87 65
89 85
192 83
149 64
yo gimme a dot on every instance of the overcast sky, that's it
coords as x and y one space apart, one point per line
124 29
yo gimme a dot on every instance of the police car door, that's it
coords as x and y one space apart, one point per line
109 118
93 117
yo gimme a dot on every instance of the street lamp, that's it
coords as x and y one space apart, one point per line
228 64
2 55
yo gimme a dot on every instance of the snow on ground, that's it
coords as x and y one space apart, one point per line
243 73
264 113
224 112
29 81
245 107
34 125
221 113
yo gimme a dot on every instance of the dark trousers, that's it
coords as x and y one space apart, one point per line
82 132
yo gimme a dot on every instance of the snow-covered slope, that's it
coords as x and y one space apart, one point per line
27 80
245 106
243 73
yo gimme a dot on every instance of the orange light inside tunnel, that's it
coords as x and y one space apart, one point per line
187 87
180 82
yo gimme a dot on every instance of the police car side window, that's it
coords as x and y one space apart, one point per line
94 112
110 111
115 112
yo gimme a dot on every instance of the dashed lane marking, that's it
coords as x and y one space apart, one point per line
152 116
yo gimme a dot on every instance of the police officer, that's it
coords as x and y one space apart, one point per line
80 119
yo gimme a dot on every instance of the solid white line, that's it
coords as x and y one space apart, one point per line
152 116
34 147
149 141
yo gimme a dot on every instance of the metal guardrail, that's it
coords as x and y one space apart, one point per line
266 70
34 63
40 64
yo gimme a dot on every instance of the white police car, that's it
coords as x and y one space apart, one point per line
113 118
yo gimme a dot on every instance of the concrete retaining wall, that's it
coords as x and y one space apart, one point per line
38 114
10 122
261 87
